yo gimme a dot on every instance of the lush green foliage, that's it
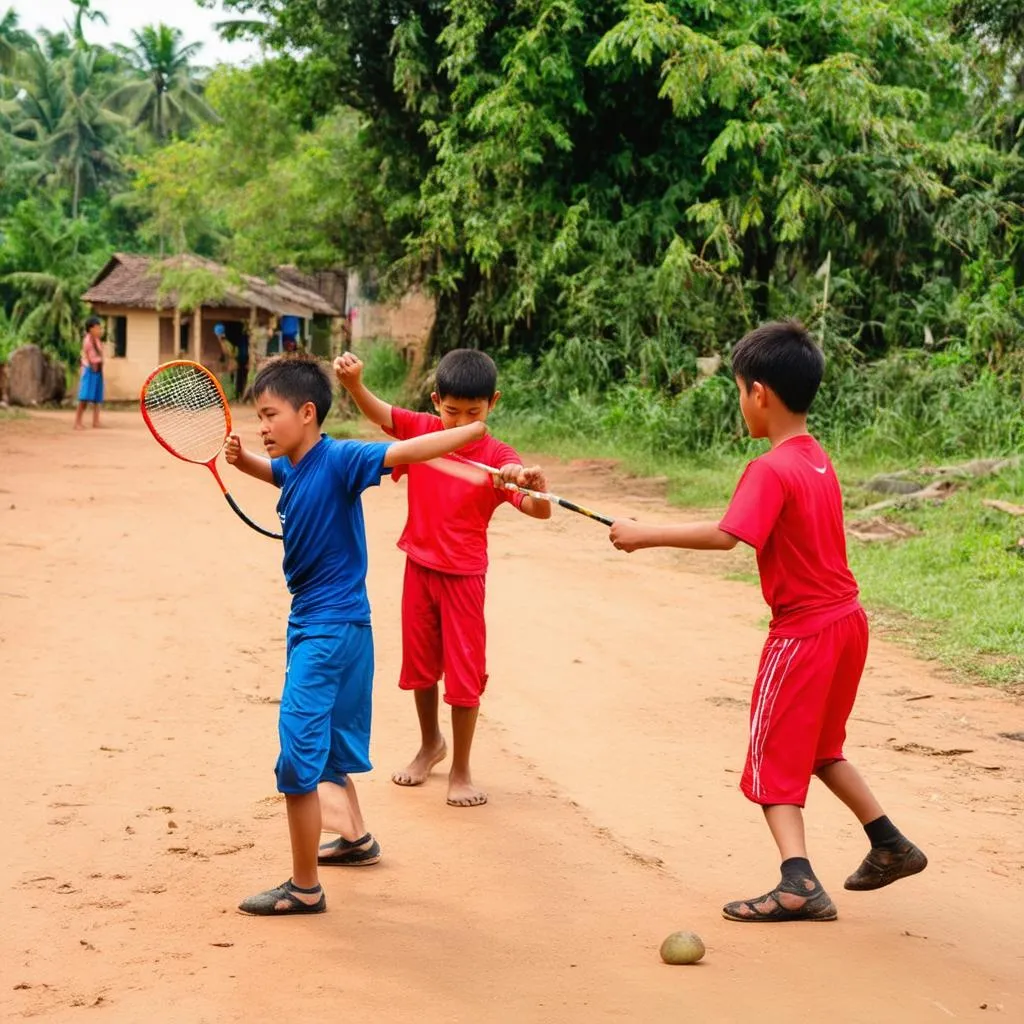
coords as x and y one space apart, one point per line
75 119
615 186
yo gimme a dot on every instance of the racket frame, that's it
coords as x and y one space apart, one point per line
211 465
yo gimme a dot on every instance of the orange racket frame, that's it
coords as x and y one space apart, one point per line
210 464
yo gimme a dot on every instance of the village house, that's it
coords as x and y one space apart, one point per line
146 325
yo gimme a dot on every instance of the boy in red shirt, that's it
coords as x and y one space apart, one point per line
445 540
788 507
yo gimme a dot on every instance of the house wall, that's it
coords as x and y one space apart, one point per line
122 378
151 341
407 322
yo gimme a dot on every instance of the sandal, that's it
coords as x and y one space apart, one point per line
265 904
816 907
359 853
885 865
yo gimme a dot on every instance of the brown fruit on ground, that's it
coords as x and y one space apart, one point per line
682 948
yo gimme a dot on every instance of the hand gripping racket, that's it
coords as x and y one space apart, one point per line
495 475
184 406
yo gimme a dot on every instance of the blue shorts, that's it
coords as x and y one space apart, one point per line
324 724
90 389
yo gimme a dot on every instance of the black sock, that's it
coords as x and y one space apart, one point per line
796 868
883 833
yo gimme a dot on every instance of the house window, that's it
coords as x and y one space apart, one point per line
119 335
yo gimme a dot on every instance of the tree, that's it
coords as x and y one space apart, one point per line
46 262
12 40
166 93
66 132
1002 19
84 12
608 178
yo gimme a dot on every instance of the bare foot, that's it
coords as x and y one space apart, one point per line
419 768
79 426
462 793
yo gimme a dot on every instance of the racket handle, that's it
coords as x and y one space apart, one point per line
573 507
248 522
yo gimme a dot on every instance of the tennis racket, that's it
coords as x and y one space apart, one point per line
495 476
184 407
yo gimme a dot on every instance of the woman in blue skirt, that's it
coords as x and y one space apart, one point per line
91 387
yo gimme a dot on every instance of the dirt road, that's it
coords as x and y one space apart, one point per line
141 647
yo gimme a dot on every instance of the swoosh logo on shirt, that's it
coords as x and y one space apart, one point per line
822 469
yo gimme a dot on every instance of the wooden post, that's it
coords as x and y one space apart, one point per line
176 343
197 332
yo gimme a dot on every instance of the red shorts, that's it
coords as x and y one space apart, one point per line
443 633
803 696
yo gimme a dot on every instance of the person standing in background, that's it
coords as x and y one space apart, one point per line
90 389
289 333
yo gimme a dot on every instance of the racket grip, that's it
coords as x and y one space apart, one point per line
248 522
573 507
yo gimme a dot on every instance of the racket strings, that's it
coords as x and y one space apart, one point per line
186 410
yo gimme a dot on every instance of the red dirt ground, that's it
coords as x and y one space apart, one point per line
141 649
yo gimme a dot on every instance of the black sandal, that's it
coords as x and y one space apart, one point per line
359 853
265 904
816 907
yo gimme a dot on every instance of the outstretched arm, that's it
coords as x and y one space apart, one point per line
349 371
629 535
432 446
253 465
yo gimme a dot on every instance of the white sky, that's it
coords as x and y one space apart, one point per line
125 15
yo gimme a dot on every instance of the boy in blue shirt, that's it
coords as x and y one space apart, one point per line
324 722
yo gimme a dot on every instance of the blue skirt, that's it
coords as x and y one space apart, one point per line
91 387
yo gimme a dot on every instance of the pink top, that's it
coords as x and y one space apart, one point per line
92 353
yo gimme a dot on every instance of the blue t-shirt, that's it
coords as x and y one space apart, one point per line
324 534
290 326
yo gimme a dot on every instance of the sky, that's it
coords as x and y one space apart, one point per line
125 15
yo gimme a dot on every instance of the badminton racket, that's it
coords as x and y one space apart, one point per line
184 407
495 476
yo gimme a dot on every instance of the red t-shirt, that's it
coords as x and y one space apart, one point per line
789 508
447 525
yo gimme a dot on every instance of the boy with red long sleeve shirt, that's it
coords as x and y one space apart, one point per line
789 508
445 541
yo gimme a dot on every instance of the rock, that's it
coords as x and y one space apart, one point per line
33 377
885 484
877 529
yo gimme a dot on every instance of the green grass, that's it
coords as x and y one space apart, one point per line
953 593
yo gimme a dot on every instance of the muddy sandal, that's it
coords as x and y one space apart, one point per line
265 904
359 853
816 907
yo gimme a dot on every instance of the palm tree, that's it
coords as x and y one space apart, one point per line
55 44
83 147
166 94
59 122
12 40
84 11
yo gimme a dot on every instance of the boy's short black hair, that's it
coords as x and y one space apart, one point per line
466 373
93 321
297 379
784 357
